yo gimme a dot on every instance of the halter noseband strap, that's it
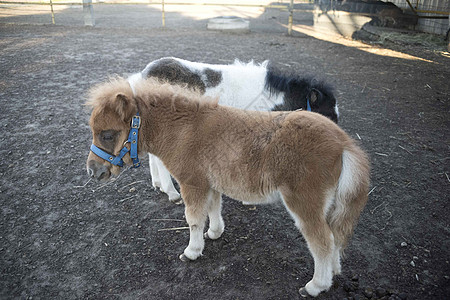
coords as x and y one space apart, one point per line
132 139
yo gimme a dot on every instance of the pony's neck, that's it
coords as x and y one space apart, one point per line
164 119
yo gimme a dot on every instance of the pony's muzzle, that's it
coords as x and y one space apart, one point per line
97 170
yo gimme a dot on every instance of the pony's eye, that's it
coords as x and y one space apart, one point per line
108 135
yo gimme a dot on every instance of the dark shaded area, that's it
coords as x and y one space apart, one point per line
384 14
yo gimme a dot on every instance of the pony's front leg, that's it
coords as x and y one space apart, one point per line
196 202
164 179
156 182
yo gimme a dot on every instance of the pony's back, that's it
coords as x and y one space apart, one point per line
239 85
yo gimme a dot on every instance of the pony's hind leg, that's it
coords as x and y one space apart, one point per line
336 253
216 224
309 216
196 202
336 260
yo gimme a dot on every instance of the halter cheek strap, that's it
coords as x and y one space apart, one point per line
308 105
132 139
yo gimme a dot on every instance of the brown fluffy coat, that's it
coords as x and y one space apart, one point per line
301 157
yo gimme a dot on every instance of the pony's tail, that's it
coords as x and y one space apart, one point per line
351 194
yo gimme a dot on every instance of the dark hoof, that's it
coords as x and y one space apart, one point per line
303 293
176 201
184 258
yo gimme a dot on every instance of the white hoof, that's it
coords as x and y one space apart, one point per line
312 289
189 255
303 292
212 235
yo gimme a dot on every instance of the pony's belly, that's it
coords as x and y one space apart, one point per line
245 194
256 199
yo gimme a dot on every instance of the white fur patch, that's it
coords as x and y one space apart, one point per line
242 85
133 79
348 174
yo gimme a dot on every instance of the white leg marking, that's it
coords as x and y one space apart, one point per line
323 275
166 185
336 256
336 261
216 224
196 211
156 182
196 242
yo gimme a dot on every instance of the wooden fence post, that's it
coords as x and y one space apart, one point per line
88 11
53 13
291 17
163 14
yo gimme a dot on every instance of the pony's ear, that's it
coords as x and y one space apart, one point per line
314 95
124 106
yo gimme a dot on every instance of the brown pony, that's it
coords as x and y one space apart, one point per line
301 158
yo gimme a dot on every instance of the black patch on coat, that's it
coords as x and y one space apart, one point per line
298 89
213 78
175 73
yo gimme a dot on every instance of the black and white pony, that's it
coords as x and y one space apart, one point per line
248 86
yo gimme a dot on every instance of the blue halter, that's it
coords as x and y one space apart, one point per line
132 139
308 105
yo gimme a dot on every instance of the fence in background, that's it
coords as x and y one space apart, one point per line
88 6
433 14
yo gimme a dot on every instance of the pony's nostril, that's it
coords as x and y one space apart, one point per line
103 174
97 170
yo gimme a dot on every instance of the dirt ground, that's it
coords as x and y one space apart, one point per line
62 239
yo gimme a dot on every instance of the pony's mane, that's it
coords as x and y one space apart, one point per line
176 97
101 94
160 93
278 82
